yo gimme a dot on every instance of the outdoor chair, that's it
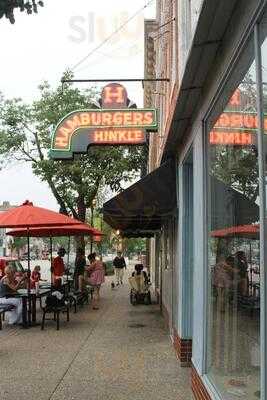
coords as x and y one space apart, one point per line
56 309
90 290
79 298
4 308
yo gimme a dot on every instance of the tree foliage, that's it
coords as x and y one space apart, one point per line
7 8
134 246
237 167
16 244
25 136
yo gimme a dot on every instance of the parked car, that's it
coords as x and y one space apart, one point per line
11 261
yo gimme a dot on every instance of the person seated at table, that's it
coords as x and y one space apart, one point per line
58 267
8 288
80 264
36 276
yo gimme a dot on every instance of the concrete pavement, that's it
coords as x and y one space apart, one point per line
118 352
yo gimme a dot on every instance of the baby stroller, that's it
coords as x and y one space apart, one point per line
140 293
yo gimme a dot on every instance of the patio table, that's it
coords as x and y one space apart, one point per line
23 294
65 287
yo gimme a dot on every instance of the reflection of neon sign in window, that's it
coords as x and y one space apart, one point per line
236 98
230 138
235 128
239 120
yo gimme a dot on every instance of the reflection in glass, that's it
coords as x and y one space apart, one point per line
233 261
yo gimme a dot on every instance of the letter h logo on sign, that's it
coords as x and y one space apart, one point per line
114 96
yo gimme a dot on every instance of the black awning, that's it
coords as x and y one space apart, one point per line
230 207
140 209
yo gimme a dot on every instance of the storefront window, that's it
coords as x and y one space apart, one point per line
233 244
263 65
263 30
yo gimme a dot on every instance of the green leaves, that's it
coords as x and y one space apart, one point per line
7 8
25 135
237 167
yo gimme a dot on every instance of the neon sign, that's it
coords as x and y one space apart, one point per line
122 136
115 124
114 96
101 119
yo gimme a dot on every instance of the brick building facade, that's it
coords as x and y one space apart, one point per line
208 53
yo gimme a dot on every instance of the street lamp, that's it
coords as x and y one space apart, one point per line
92 223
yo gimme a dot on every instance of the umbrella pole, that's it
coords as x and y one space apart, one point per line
29 279
68 259
51 260
251 269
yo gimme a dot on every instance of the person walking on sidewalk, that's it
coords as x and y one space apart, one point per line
79 271
119 264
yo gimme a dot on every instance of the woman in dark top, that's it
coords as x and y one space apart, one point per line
80 264
241 266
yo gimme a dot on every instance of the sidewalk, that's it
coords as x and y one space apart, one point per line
116 353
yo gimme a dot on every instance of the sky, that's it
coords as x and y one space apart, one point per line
41 47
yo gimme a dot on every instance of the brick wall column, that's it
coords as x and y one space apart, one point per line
198 387
183 349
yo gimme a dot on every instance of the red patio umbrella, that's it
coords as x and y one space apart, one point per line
97 235
46 231
27 216
243 231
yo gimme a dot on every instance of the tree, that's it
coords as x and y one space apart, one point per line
16 244
237 167
134 246
25 136
7 7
